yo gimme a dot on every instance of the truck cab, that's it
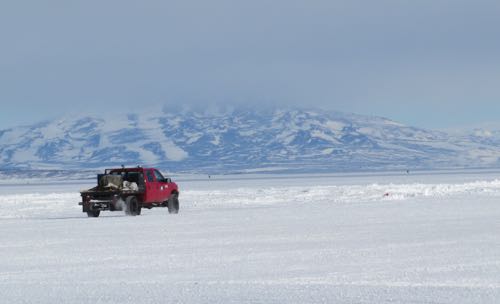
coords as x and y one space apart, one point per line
158 188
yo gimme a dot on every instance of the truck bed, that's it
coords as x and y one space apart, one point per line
96 191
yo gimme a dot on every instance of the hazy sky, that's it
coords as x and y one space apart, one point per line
430 63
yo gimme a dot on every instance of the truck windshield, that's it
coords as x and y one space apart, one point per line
158 176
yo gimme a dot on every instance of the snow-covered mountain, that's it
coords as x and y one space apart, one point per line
242 140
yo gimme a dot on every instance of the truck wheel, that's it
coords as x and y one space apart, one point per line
132 206
173 204
93 213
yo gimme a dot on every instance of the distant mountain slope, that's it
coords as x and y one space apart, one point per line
243 139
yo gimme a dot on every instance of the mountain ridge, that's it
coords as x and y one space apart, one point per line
242 139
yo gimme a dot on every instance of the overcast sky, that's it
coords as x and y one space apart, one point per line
429 63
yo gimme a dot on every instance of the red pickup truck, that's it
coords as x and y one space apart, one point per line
130 189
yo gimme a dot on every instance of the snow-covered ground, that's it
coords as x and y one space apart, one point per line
418 238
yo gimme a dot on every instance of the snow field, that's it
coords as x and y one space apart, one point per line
57 204
260 241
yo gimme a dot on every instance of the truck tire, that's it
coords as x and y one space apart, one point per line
132 206
93 213
173 203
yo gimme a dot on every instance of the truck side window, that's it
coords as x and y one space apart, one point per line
158 176
149 174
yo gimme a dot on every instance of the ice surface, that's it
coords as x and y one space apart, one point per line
414 238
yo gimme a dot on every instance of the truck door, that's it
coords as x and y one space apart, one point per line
151 187
163 186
